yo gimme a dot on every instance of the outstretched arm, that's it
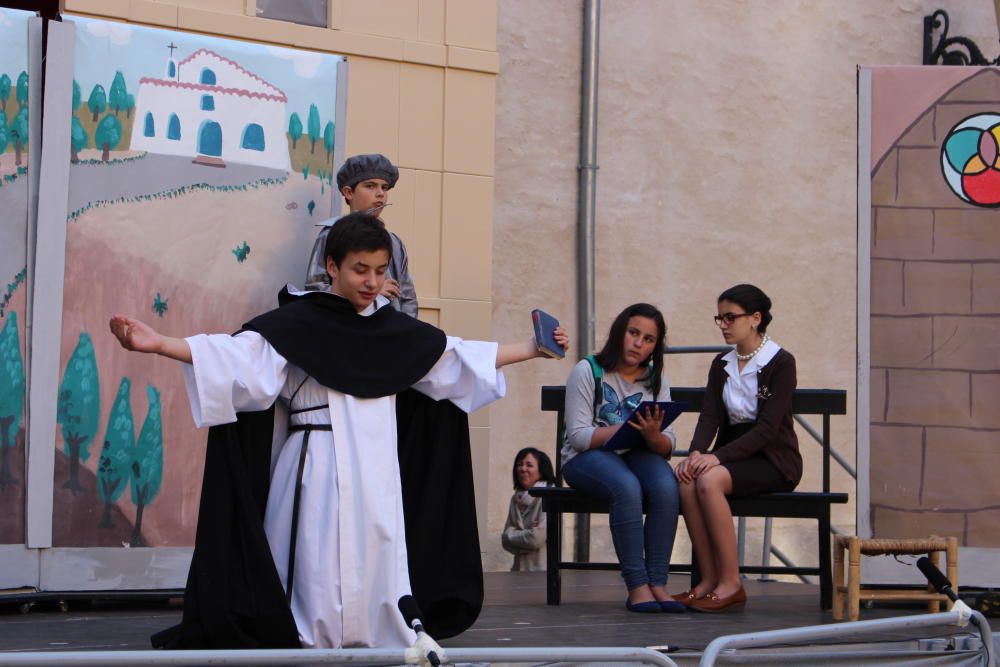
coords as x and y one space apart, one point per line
512 353
137 336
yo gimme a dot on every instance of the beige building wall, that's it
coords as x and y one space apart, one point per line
727 135
727 151
421 90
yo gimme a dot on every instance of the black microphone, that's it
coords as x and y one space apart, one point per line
936 578
410 610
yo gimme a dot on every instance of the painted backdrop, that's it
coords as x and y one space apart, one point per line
14 154
199 167
934 223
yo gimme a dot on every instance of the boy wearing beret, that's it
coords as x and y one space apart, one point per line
365 181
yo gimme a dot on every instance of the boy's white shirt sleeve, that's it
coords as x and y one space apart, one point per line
466 374
230 374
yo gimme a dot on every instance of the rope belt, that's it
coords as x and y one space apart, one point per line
306 429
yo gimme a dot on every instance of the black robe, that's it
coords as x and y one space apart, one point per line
234 597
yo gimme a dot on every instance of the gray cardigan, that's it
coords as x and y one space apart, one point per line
580 418
524 535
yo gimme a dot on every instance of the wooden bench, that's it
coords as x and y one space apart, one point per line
560 500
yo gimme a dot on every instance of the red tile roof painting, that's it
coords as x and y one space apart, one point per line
242 92
279 96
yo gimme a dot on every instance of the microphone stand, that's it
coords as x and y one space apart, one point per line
425 651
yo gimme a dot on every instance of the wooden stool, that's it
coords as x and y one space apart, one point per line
856 547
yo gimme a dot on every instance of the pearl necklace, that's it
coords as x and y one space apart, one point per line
751 355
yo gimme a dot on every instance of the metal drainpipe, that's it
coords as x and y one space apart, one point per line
586 208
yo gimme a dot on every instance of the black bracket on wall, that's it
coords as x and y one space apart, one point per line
949 50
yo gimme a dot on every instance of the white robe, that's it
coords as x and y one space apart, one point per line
350 563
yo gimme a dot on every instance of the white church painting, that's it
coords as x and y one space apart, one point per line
212 109
156 228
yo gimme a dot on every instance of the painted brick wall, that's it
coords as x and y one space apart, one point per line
935 348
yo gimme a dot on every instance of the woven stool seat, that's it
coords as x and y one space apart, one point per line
879 546
856 547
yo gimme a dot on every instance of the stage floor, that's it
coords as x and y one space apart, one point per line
515 615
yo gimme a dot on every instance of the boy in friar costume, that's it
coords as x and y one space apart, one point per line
349 524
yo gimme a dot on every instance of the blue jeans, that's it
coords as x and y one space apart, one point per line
624 481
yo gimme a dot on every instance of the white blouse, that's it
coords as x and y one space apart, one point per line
740 391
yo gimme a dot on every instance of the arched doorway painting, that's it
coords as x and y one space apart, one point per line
253 137
210 139
929 311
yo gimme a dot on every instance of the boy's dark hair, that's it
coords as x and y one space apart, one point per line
356 232
752 300
544 466
611 353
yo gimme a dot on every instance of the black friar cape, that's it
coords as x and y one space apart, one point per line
234 597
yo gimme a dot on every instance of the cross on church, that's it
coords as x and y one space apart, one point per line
172 46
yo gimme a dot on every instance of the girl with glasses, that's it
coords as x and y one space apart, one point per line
748 412
601 393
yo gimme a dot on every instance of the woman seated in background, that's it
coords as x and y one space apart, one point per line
524 531
748 402
601 392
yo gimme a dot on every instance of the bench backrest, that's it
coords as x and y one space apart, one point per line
823 402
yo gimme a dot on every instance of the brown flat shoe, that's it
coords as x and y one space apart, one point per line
687 597
713 604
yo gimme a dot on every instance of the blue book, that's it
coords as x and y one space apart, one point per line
629 437
545 326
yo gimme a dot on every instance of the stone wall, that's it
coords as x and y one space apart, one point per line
935 350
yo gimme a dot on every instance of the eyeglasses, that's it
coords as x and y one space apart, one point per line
729 318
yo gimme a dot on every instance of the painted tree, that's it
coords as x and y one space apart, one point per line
160 305
22 90
77 95
4 135
294 129
79 407
11 394
129 105
147 462
98 101
118 94
77 139
107 135
313 128
328 132
116 453
18 133
4 92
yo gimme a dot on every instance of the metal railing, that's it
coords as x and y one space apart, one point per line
331 657
843 630
769 549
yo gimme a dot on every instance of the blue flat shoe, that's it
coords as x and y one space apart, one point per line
672 607
651 607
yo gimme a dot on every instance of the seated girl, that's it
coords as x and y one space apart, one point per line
524 531
630 367
748 403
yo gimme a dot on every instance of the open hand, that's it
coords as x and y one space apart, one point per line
134 335
647 422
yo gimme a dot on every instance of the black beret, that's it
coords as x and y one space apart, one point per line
363 167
